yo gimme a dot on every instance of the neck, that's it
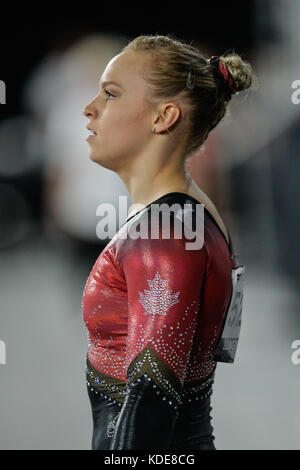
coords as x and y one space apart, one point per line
154 174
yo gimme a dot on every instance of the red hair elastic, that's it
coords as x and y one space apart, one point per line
222 70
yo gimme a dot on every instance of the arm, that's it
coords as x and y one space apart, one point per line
164 283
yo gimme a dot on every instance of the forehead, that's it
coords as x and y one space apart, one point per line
126 68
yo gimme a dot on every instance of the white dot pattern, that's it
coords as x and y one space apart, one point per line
159 325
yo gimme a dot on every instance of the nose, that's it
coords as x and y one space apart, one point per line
90 110
87 111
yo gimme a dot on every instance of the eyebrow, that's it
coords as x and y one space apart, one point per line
104 84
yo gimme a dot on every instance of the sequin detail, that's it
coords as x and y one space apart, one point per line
157 300
165 383
106 386
169 344
163 334
148 363
191 393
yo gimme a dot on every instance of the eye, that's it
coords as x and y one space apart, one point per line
109 95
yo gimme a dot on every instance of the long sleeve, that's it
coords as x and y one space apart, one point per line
164 282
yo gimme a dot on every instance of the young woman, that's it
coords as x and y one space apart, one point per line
155 310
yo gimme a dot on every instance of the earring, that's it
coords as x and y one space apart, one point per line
153 129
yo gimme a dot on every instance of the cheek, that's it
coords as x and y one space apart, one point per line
137 121
125 124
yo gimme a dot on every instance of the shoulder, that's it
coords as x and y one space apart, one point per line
172 227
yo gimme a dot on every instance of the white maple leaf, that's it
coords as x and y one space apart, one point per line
157 299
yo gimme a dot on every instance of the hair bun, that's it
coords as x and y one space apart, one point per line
222 76
240 71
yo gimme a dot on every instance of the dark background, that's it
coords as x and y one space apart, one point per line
43 400
26 37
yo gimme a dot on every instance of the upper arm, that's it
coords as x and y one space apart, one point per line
164 283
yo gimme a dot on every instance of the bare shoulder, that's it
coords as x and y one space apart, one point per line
200 195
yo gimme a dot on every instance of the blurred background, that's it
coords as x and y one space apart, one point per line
49 192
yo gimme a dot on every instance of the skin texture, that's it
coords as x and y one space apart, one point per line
150 164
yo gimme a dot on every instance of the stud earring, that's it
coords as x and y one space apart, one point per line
153 129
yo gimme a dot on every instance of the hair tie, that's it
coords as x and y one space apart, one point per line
222 74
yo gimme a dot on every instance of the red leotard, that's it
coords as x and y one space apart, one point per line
154 309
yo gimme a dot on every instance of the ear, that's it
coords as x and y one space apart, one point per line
168 115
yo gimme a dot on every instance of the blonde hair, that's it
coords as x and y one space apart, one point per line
166 77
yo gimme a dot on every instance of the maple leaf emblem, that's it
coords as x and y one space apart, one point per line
157 299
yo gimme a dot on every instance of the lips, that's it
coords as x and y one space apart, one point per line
93 131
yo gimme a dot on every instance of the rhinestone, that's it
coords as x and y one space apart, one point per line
113 364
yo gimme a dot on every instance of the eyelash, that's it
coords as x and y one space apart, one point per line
109 95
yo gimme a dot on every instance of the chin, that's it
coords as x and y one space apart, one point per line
102 161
